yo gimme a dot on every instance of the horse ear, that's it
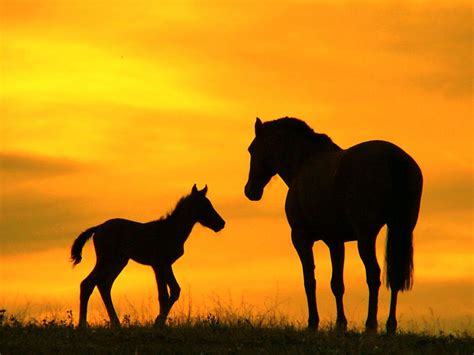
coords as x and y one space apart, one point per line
204 190
194 189
258 127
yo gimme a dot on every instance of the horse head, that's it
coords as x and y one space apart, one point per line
261 167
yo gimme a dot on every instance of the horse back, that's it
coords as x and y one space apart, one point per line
339 192
378 180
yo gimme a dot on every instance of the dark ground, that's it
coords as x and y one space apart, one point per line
210 336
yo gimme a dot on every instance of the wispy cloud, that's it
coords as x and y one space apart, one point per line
31 221
15 166
446 195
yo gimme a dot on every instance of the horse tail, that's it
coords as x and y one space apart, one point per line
399 260
76 249
408 183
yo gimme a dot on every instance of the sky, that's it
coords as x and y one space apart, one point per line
116 108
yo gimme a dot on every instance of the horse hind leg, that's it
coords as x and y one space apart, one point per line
372 271
87 286
105 287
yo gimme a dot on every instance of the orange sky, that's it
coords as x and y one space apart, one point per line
115 108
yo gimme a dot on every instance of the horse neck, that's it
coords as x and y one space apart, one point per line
295 155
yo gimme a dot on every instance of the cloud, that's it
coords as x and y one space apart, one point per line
33 216
439 37
31 221
445 195
15 167
29 164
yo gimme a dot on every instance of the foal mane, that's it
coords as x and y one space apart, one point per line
179 206
295 125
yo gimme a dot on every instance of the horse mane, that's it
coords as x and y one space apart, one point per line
299 127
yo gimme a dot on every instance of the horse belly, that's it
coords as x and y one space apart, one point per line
138 248
151 252
368 181
317 210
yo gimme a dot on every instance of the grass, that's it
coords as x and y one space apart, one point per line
213 335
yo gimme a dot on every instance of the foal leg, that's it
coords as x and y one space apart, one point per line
173 285
304 248
163 295
105 286
337 282
87 286
372 272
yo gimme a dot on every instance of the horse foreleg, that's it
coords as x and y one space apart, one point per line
372 272
163 296
391 325
305 252
337 282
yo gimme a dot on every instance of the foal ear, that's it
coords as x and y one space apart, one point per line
204 191
258 127
194 189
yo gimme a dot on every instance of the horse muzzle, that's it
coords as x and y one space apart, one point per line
219 227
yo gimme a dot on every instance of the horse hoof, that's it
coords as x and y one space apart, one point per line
391 327
371 328
341 326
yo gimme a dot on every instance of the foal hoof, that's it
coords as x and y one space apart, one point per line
82 326
115 326
160 322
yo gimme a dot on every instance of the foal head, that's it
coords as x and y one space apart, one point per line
203 211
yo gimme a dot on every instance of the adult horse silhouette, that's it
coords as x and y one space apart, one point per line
338 195
158 244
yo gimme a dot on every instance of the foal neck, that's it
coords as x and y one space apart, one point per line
181 221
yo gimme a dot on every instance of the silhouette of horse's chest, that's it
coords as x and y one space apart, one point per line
171 253
314 200
312 193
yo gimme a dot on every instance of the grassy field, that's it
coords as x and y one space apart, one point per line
211 335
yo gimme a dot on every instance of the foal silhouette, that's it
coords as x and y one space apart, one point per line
158 244
338 195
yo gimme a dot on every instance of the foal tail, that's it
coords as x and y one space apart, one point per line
76 249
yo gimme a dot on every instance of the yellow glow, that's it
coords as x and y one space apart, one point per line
115 109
